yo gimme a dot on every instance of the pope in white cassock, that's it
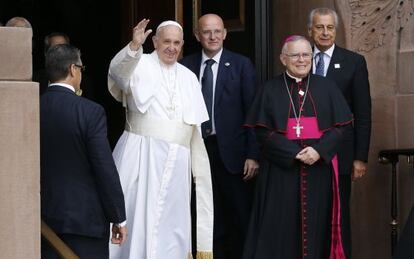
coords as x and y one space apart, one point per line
160 147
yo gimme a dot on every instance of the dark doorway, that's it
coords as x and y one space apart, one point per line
101 29
93 26
238 16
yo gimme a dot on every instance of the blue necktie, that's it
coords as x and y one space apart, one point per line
207 90
320 67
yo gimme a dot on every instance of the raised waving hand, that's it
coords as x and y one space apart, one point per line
139 34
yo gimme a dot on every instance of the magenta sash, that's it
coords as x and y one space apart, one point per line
311 130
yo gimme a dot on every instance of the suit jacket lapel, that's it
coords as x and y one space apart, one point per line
222 76
336 59
195 65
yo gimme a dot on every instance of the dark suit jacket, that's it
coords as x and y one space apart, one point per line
352 78
235 90
80 188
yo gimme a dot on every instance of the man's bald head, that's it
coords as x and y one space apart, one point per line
211 34
210 17
18 22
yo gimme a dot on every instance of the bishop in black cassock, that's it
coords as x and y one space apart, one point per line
299 119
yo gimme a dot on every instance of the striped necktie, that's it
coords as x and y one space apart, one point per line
320 67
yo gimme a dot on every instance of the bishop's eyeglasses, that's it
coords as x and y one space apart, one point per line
296 56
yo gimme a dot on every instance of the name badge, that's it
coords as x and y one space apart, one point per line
337 65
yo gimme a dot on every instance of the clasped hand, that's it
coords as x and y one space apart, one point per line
119 235
308 155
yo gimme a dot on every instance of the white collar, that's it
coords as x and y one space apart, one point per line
297 79
64 85
216 57
328 52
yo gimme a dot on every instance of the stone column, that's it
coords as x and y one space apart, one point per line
19 147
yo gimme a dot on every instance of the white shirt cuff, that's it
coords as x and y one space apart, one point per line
135 53
122 224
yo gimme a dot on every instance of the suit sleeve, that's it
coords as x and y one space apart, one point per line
103 166
249 83
362 110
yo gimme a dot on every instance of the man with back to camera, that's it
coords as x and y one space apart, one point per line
80 189
228 84
349 71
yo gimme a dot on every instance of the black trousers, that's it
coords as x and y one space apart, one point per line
345 195
83 246
232 205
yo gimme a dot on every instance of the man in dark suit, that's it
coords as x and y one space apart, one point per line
349 71
228 84
80 189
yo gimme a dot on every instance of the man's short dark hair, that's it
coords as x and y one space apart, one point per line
58 60
55 34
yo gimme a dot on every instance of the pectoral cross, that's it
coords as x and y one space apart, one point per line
298 128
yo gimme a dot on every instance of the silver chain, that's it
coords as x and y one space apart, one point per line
171 88
297 118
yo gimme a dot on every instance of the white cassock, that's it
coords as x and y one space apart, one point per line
155 156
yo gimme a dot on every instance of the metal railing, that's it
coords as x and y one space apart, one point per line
391 156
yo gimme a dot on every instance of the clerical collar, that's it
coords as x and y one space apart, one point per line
328 52
216 57
297 79
64 85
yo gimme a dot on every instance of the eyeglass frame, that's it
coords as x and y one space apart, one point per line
296 56
82 67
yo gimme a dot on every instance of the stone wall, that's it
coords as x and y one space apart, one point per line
19 147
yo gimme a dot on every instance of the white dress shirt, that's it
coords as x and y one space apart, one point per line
326 58
64 85
214 67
